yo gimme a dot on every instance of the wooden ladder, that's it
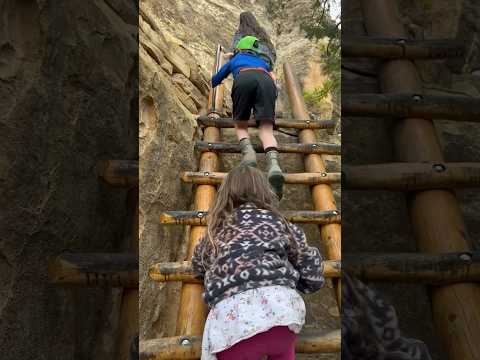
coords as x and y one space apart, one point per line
436 218
192 312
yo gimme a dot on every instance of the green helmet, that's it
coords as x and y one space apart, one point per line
248 43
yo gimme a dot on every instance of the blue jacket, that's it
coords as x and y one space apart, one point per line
237 62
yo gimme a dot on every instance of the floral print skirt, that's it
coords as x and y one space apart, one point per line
248 313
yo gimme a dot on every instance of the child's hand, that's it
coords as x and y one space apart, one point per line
228 55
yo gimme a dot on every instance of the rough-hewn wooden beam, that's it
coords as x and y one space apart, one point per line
189 347
306 123
128 320
95 269
200 217
182 271
318 148
123 173
216 178
460 108
436 269
388 48
424 268
411 176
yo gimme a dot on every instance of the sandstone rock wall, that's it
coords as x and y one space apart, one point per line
67 99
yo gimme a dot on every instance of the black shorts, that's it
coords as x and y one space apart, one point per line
253 89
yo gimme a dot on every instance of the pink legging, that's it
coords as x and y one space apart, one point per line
278 343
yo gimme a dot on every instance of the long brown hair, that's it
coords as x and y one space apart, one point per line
249 26
243 184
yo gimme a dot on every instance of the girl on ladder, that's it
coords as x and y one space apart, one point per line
252 262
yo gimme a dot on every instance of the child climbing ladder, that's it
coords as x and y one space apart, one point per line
253 89
252 261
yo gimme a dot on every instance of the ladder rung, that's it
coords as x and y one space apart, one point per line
279 114
122 173
318 148
182 271
436 269
388 48
215 178
95 269
411 176
415 267
460 108
189 347
200 217
206 121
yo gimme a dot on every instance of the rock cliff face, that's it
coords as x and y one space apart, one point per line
178 41
68 98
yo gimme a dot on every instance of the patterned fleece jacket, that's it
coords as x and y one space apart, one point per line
255 249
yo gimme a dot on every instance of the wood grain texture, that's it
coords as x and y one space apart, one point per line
304 123
411 176
414 105
182 271
433 269
201 217
189 347
415 267
400 48
317 148
95 269
311 178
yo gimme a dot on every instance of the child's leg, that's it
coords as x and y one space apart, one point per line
264 110
278 343
243 97
265 132
275 174
283 349
241 129
248 152
249 349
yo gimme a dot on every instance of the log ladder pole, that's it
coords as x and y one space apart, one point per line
193 311
110 269
130 299
322 194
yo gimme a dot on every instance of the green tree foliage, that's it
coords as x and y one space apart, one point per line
319 25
